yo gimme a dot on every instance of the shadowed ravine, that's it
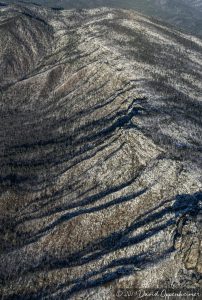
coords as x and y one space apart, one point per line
100 153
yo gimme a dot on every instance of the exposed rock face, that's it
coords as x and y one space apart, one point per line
100 154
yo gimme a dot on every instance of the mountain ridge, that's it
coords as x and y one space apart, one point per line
184 14
100 155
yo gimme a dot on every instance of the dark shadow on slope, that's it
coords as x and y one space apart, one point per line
106 274
158 221
84 202
74 146
183 204
68 216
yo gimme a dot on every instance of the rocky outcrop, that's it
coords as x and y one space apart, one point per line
100 155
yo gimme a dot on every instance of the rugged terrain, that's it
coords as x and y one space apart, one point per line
184 14
100 154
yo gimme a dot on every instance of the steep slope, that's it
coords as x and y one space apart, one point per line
100 155
24 41
185 14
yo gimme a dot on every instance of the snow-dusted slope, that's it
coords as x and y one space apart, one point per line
100 154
